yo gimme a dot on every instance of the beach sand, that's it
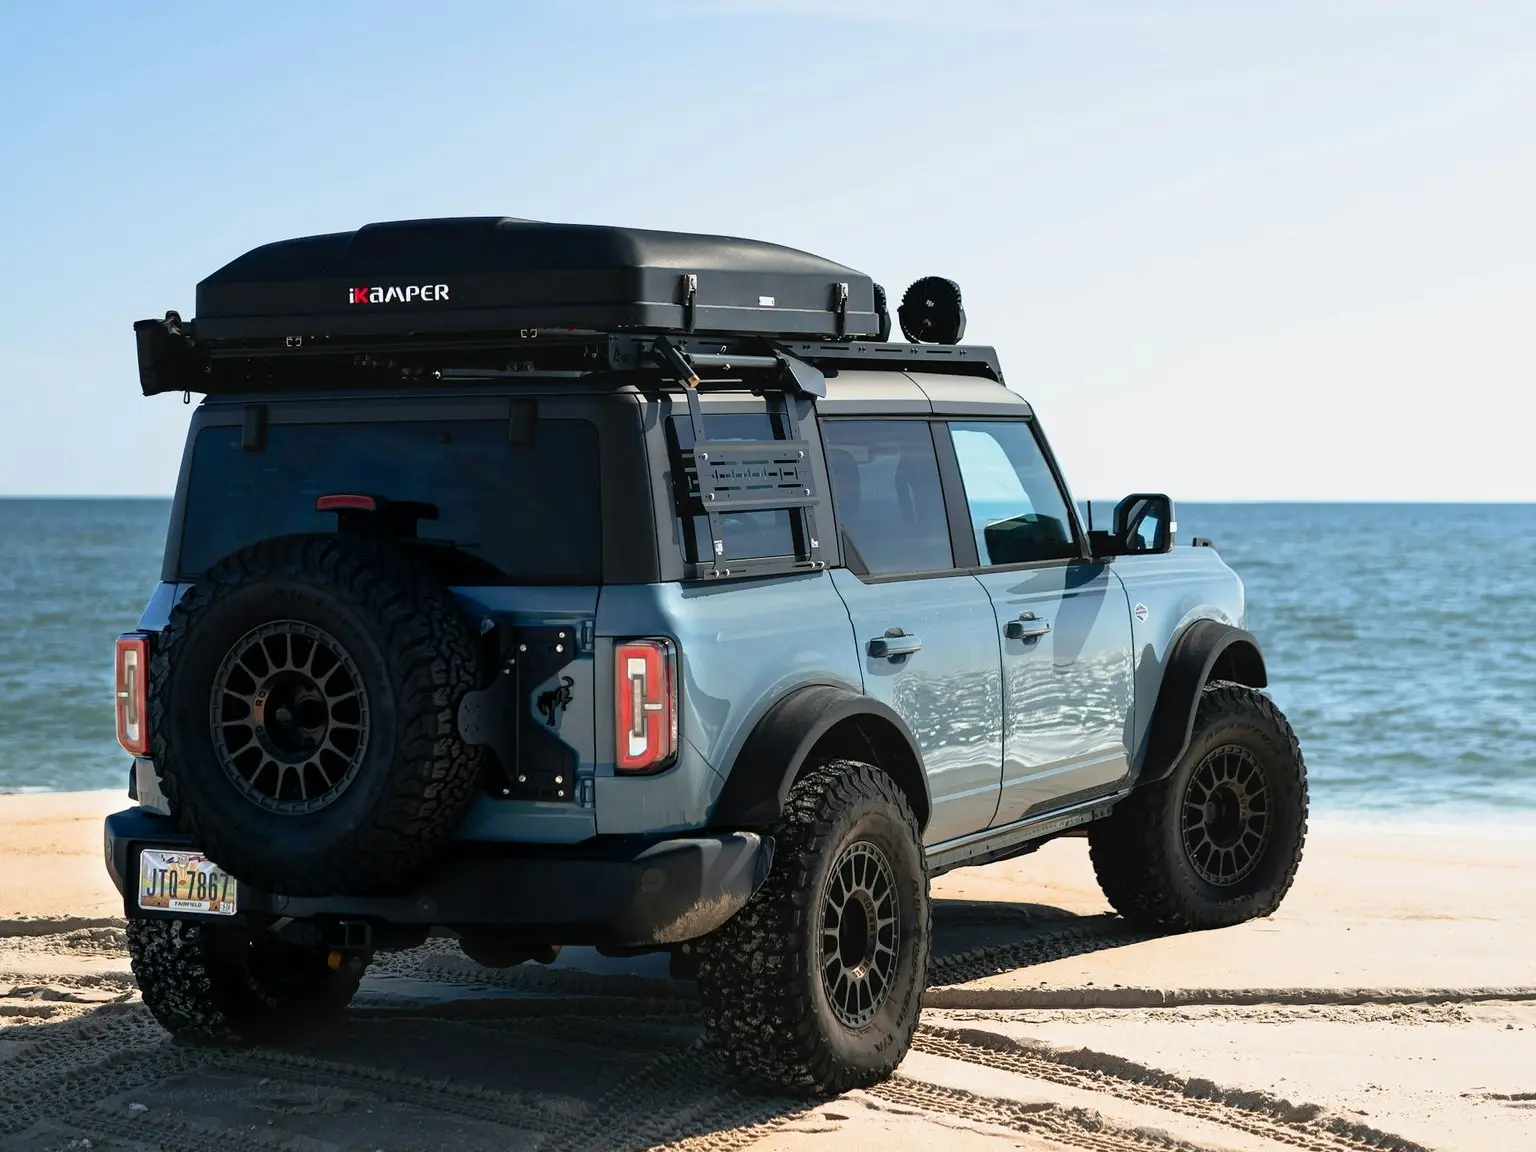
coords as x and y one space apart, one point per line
1391 1004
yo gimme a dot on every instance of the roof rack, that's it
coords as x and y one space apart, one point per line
171 359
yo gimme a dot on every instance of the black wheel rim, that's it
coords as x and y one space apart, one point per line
1227 816
289 717
861 922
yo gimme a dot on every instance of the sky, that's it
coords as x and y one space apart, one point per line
1230 251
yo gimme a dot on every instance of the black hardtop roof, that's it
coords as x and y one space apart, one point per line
480 274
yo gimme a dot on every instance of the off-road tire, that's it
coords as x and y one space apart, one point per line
760 975
1141 855
415 659
224 985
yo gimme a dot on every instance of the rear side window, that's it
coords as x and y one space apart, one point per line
513 513
885 487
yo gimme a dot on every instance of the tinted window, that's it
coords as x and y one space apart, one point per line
746 535
885 487
526 513
1017 510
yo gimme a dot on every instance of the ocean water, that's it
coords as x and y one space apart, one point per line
1399 641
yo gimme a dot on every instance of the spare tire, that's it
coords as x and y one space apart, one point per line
302 708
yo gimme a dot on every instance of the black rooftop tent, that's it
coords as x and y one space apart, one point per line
501 274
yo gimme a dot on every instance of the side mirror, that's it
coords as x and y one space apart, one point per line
1143 524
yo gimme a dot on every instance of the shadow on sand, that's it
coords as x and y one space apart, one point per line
438 1053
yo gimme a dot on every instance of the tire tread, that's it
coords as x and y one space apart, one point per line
752 978
203 1000
1132 851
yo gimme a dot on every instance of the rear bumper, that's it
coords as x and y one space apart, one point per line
622 892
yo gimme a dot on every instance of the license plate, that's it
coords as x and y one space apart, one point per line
184 882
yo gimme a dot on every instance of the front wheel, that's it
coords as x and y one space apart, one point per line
221 984
816 985
1217 842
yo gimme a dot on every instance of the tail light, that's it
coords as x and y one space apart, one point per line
645 704
133 693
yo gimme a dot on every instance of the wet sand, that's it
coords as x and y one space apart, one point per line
1391 1004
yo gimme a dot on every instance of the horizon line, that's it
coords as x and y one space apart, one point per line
1106 500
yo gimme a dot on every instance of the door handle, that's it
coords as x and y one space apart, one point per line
1027 627
894 645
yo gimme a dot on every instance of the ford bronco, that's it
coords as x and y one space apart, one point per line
544 585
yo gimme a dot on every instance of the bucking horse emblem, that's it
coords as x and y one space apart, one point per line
556 700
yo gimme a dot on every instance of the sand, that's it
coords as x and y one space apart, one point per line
1391 1004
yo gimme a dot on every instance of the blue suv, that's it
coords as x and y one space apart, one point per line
540 585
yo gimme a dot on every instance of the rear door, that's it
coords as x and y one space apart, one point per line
1063 622
926 632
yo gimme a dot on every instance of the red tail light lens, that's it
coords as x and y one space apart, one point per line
346 502
133 693
645 699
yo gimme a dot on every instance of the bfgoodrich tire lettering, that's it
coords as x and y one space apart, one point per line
781 981
1217 842
395 779
220 984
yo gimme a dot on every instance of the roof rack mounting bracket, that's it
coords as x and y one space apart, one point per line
806 379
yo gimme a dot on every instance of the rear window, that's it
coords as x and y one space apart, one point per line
525 513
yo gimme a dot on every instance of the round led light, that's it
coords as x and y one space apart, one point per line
931 312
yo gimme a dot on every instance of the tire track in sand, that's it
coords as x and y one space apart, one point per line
682 1094
86 1060
1073 1127
1304 1126
168 1134
679 1093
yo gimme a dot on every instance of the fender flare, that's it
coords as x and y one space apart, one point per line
1205 650
774 754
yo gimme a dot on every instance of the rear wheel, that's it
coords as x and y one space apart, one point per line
223 984
1217 842
817 983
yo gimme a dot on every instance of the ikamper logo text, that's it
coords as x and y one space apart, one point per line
365 295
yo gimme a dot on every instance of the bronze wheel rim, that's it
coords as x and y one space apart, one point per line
289 717
860 928
1227 816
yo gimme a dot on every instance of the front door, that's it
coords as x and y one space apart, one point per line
927 634
1064 624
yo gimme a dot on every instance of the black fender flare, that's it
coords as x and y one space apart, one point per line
773 756
1205 650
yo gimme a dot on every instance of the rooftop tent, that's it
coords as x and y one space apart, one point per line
485 275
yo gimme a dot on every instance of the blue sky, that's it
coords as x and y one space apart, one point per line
1230 250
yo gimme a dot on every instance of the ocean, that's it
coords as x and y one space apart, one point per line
1398 639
